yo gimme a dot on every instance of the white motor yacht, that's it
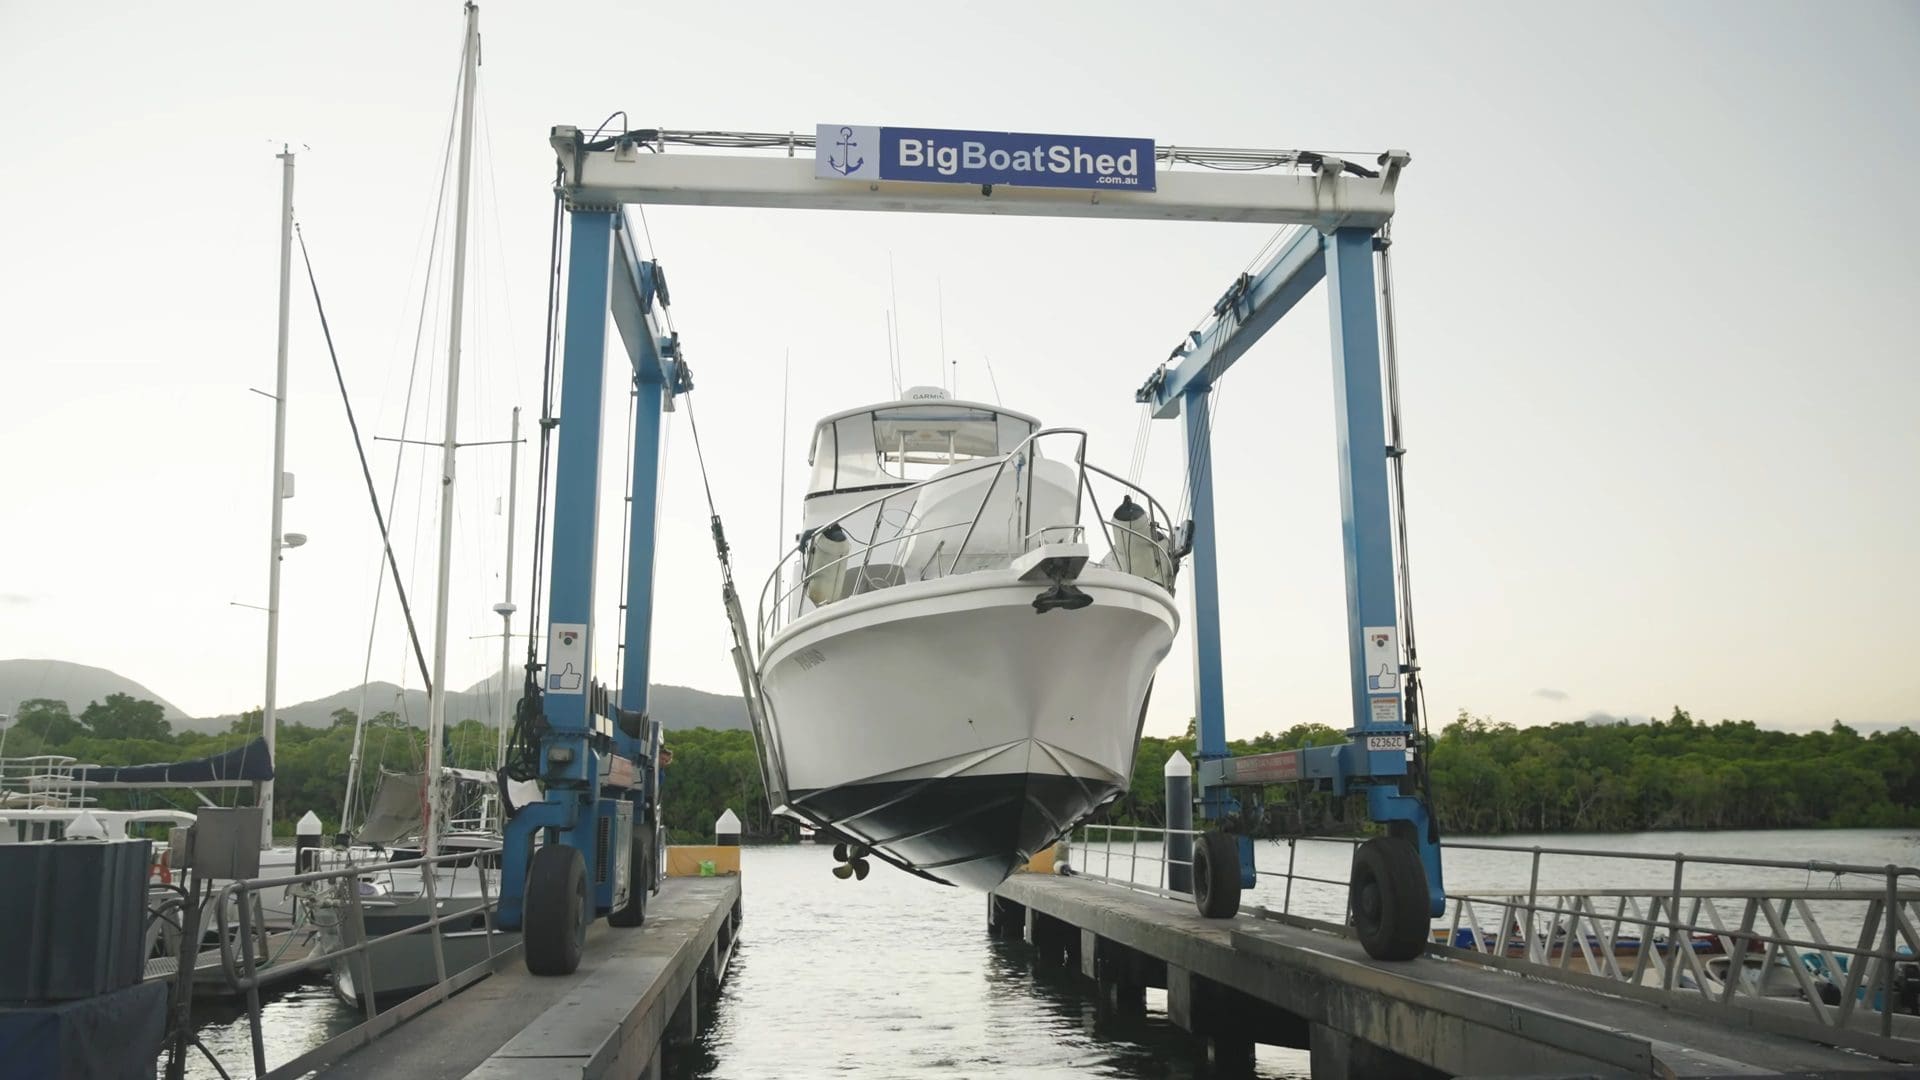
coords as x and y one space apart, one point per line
955 660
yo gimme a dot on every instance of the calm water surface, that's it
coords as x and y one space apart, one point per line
895 976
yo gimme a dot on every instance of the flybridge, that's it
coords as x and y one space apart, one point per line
985 158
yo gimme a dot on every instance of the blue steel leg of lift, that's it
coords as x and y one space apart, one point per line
572 787
636 667
1211 721
1366 526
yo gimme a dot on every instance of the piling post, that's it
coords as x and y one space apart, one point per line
306 843
726 831
1005 918
683 1027
1179 847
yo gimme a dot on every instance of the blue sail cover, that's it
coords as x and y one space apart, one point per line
242 764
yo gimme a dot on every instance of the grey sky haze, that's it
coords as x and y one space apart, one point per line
1656 268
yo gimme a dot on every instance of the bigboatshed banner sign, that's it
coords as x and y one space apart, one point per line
939 156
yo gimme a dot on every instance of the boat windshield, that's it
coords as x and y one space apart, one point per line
900 444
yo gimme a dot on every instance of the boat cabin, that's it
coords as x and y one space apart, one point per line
26 826
928 487
861 453
922 488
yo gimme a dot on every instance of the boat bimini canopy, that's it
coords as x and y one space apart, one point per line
894 444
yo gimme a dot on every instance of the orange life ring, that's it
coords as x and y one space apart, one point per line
162 869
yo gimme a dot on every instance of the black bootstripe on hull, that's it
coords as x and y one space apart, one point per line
970 830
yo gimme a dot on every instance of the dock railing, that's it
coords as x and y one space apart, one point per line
333 897
1837 952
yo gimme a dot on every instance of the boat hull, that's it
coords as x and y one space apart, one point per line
954 729
400 964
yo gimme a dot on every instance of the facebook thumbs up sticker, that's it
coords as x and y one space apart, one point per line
566 658
1382 659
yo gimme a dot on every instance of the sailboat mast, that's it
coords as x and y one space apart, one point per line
505 607
268 720
449 444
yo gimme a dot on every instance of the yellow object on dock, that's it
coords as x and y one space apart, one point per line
702 860
1041 863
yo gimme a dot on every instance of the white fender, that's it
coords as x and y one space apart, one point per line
826 573
1139 545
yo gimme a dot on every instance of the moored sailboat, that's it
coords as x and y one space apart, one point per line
445 811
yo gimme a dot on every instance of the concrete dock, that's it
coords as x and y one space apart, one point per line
1251 980
635 990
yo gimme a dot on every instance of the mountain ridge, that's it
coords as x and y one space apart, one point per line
677 707
76 684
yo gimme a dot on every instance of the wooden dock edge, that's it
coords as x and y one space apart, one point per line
638 991
614 1022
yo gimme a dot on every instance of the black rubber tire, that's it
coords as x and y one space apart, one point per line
1216 875
640 880
1388 895
555 915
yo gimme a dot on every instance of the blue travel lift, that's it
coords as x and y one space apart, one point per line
1395 885
592 749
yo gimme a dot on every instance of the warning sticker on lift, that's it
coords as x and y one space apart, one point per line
567 658
1386 710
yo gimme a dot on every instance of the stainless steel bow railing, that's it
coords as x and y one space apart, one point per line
779 601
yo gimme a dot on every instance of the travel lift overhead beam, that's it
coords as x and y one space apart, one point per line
596 761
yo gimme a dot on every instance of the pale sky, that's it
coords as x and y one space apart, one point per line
1655 267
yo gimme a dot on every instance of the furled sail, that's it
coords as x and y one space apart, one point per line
241 765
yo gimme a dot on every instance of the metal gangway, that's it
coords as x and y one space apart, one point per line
1826 951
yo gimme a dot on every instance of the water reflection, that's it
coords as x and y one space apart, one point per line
897 977
293 1020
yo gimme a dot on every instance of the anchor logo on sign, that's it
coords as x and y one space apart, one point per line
847 146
